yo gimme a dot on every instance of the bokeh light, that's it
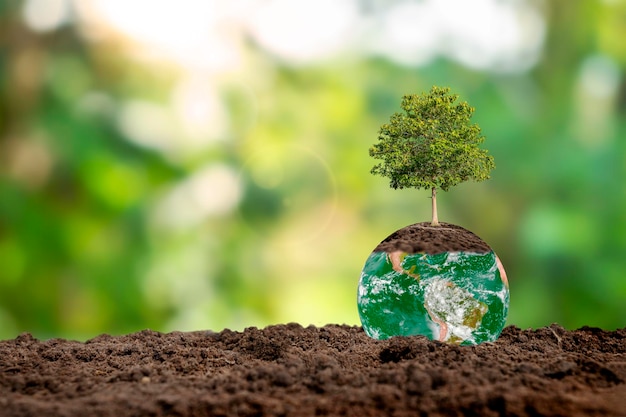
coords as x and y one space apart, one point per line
203 164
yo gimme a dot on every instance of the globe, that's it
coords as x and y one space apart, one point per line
442 282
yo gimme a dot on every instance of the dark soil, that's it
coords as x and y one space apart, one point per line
422 237
288 370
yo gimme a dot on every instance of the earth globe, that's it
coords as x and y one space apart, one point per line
443 282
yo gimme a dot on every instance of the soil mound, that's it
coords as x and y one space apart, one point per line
422 237
289 370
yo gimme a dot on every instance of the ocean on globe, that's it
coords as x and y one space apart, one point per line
455 297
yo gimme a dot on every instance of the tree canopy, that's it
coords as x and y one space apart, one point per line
432 144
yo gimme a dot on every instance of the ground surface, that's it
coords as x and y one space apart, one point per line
334 370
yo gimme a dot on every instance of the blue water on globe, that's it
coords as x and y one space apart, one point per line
455 297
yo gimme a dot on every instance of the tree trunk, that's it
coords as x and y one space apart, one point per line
435 221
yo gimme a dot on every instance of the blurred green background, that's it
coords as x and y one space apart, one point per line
204 164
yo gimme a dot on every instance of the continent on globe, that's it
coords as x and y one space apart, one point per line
442 282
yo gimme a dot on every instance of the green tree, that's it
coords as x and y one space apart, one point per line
431 145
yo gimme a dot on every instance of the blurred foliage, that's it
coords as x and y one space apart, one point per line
118 212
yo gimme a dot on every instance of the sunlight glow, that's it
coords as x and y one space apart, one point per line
200 110
148 125
45 15
482 34
301 32
194 33
409 34
212 191
600 76
193 121
598 87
